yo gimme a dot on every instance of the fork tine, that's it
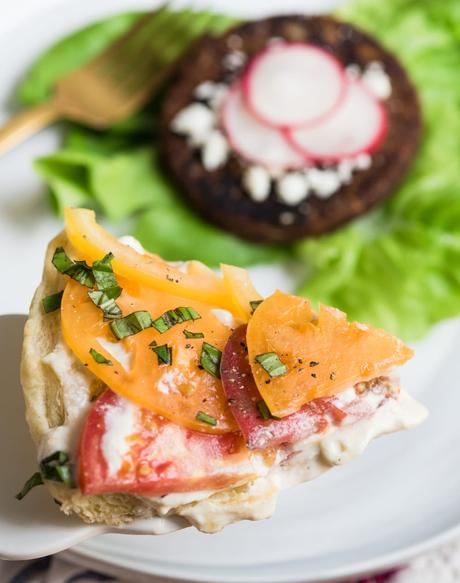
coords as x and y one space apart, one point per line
116 50
156 52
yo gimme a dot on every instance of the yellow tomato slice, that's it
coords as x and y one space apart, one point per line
241 290
323 352
92 242
177 391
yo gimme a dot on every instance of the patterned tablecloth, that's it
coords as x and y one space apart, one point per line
440 566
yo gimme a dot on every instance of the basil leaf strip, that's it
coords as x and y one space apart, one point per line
52 302
105 300
81 272
103 273
173 317
57 467
99 358
131 324
263 410
34 480
210 359
163 352
254 305
205 418
78 270
272 364
61 261
192 335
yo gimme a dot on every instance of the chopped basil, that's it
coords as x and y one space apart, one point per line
35 480
61 261
81 272
57 467
103 273
205 418
189 334
163 352
52 302
210 359
100 275
263 410
173 317
131 324
106 301
272 364
99 358
78 270
254 305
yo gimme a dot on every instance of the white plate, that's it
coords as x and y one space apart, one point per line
401 497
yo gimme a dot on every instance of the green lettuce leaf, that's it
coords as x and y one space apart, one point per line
177 233
397 267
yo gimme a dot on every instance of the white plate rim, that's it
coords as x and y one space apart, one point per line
381 563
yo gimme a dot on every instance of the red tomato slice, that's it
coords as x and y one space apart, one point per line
125 448
315 417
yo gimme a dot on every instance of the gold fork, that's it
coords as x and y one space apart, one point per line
113 85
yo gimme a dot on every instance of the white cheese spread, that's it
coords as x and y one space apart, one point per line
212 510
120 423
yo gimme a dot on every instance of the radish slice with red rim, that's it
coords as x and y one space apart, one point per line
358 126
292 84
254 141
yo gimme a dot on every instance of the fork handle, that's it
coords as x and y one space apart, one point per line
27 123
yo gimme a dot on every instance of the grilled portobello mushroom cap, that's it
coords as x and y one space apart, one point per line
219 195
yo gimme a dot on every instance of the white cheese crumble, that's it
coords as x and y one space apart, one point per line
376 80
211 92
345 171
324 183
286 218
195 121
363 162
214 150
257 183
234 60
292 188
353 72
234 42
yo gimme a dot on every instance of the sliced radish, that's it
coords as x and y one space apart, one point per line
357 126
292 84
254 141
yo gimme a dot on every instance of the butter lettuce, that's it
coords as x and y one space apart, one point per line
399 267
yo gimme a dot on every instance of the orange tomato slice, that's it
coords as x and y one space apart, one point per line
323 352
92 242
177 391
241 290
